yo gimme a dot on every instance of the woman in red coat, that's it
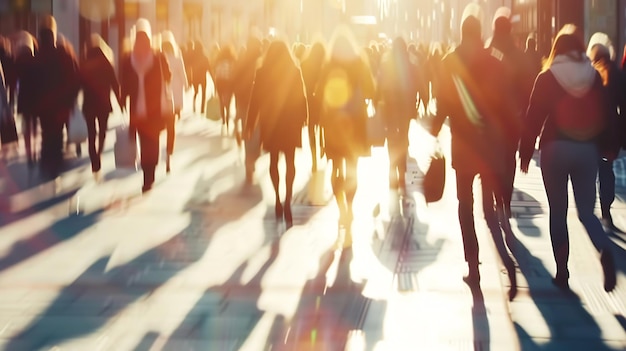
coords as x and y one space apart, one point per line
278 105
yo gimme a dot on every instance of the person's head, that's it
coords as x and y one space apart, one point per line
168 43
502 22
48 32
143 37
399 46
471 29
600 48
343 45
568 41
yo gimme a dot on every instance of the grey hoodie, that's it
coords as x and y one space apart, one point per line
574 72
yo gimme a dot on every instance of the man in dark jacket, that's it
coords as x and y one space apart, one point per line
471 96
58 87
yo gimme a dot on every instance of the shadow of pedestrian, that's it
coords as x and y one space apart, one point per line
569 325
64 229
106 292
525 208
224 316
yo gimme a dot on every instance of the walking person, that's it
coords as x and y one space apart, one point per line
472 93
25 67
178 85
518 71
345 83
143 73
396 100
58 84
278 105
568 108
223 77
311 69
200 67
243 82
98 80
602 55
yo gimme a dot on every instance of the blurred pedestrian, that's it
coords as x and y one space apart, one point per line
98 81
472 93
568 108
200 67
143 73
278 105
311 68
178 85
344 85
223 77
27 90
397 86
58 85
602 55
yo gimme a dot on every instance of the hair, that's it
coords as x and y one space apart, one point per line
343 45
568 40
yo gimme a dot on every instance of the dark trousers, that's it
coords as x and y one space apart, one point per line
397 148
52 143
199 87
606 178
95 148
510 165
149 152
465 196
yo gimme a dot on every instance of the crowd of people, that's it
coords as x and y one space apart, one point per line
498 99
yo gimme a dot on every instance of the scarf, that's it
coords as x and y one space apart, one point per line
141 65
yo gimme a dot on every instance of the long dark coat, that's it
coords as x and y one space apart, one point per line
98 79
278 105
129 83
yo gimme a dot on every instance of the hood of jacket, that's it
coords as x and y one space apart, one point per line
574 72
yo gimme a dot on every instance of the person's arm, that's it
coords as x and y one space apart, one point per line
536 114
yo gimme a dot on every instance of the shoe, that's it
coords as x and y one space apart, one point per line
167 164
608 268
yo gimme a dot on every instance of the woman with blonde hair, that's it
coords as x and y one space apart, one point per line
98 80
568 108
178 85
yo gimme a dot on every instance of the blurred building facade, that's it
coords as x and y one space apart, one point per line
221 21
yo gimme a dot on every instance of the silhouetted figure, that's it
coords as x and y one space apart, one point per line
345 83
26 70
200 67
58 85
471 94
533 57
396 100
519 74
246 67
568 107
178 85
98 80
602 54
311 68
143 71
278 105
223 77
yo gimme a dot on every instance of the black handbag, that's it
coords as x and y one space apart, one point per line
435 177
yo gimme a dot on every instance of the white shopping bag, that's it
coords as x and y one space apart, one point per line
125 149
77 127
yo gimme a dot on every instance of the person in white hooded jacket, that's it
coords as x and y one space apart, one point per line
568 107
178 86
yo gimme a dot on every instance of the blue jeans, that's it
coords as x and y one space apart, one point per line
578 161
